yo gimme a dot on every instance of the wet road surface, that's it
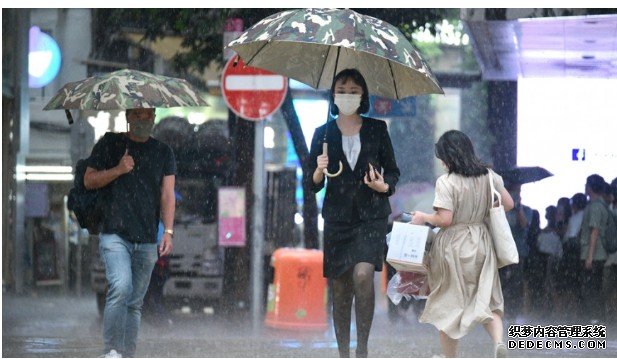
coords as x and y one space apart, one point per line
55 325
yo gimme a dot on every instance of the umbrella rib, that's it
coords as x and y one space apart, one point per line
258 51
323 66
338 52
393 79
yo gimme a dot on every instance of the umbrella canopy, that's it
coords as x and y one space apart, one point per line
521 175
313 45
123 89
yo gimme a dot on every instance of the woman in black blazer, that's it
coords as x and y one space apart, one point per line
356 205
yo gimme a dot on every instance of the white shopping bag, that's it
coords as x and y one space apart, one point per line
407 246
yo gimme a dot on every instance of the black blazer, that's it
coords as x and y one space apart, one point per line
348 189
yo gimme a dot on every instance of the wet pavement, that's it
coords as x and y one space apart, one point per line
56 325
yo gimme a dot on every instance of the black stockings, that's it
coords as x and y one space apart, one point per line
356 282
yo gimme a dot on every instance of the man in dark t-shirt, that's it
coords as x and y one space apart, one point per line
137 176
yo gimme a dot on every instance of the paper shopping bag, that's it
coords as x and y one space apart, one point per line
407 247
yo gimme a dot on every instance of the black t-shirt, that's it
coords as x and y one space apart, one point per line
132 202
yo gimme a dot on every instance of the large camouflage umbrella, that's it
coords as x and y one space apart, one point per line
123 89
312 45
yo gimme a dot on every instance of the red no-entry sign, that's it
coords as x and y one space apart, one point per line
250 92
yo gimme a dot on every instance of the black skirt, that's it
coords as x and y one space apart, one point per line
349 243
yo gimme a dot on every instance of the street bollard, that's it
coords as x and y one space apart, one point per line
297 298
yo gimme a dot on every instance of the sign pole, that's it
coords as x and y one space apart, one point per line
258 228
254 94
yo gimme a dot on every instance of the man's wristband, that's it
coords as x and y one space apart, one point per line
170 232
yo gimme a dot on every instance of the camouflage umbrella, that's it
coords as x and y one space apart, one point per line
312 45
123 89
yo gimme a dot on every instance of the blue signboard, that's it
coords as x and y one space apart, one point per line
385 108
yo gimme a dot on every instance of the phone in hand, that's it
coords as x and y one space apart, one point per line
368 170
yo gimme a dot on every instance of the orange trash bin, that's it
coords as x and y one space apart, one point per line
297 298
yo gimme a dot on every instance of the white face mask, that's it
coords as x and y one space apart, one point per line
347 104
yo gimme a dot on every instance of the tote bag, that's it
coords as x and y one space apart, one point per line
505 247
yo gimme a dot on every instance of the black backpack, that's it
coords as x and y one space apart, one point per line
86 204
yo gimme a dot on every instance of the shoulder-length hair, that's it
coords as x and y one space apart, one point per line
455 149
355 76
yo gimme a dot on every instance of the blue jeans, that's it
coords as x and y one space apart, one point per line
128 267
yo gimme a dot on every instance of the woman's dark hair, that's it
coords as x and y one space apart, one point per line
579 201
564 202
455 149
551 216
355 76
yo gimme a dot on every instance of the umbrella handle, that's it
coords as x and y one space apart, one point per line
340 164
69 117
